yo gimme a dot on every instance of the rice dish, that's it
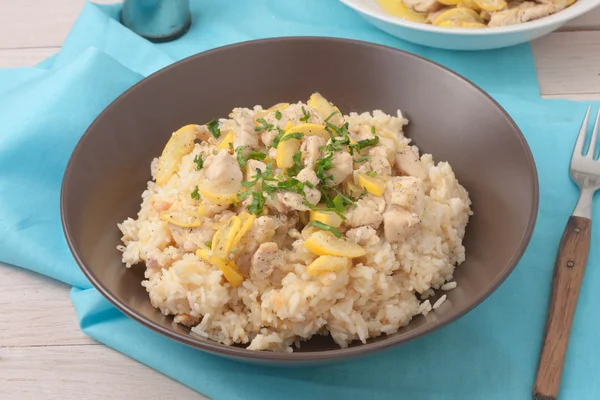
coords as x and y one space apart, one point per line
273 225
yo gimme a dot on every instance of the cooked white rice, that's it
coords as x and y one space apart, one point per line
378 294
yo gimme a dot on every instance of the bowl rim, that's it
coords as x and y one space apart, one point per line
296 358
575 10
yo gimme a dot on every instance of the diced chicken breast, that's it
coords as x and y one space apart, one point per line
308 175
163 259
267 137
409 163
342 166
378 161
310 149
291 200
265 260
526 11
275 204
203 133
313 195
244 135
210 209
191 239
422 6
368 212
263 229
223 172
364 235
406 192
398 224
252 166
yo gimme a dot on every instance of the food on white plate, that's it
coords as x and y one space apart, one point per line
273 225
472 13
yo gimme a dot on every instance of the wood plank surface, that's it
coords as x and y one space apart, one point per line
43 354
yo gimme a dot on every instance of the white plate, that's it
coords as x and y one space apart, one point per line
467 39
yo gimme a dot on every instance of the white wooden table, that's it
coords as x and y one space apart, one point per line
43 354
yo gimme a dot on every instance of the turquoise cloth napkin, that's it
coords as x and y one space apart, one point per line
491 353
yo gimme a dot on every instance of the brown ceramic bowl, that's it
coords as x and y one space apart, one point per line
449 117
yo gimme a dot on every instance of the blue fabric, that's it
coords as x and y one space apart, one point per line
491 353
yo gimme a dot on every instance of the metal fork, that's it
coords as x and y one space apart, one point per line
570 266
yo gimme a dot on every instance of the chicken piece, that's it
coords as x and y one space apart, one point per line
312 194
297 111
422 6
223 172
283 223
406 192
275 203
202 133
526 11
398 224
378 161
364 235
285 201
368 212
310 149
409 163
252 166
263 229
158 259
264 261
211 209
191 239
342 167
291 201
244 135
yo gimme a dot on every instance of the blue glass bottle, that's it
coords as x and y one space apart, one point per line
157 20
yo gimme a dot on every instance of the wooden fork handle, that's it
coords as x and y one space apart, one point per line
568 274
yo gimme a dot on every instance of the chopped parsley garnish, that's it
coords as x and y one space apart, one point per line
278 115
295 135
257 155
254 155
305 115
258 203
195 194
208 244
371 173
199 162
362 159
264 125
267 175
325 227
240 157
373 130
293 171
278 138
331 115
213 127
292 185
323 164
338 204
365 143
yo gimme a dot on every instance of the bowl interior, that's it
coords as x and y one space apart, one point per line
449 118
